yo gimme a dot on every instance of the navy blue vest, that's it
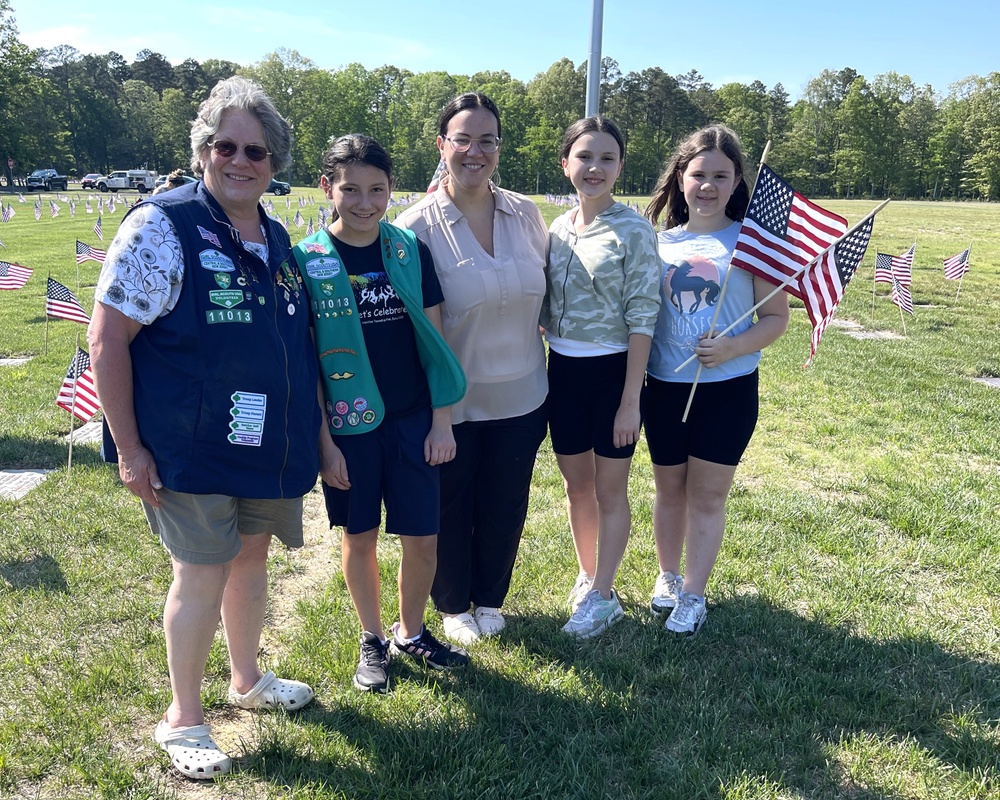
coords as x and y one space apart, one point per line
225 384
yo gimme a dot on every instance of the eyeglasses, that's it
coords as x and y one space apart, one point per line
461 144
226 149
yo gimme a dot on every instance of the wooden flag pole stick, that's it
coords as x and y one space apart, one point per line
794 276
72 405
902 319
873 295
49 275
722 293
963 274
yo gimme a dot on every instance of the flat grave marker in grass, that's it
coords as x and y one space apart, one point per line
14 362
16 483
86 434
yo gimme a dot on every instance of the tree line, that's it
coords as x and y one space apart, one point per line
846 136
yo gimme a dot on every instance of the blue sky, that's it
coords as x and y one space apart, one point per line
779 41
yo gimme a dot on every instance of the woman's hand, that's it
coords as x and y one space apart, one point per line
138 472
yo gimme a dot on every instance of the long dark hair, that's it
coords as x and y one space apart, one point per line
354 148
667 193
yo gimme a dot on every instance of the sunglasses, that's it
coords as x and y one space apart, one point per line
226 149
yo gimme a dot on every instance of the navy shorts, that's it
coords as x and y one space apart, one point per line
387 465
721 421
584 396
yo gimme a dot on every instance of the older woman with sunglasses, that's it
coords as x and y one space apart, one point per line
204 365
489 247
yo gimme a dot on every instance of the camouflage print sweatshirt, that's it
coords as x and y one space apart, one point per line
603 284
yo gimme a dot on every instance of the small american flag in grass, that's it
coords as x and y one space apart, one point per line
956 266
83 402
84 252
13 276
60 302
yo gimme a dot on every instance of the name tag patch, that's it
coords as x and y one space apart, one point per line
247 423
227 298
214 317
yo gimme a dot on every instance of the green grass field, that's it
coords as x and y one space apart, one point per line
851 649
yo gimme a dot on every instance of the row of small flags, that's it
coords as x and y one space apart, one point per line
897 271
54 208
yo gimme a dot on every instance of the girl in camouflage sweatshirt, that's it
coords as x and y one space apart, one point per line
599 313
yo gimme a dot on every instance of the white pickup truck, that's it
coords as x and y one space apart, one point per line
142 180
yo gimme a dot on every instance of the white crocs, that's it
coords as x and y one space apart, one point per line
192 751
273 692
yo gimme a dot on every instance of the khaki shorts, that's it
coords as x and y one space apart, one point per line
206 528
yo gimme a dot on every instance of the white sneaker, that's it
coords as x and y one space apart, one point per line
594 616
489 620
688 615
460 628
666 592
579 590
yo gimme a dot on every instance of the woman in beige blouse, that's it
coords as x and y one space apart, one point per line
489 247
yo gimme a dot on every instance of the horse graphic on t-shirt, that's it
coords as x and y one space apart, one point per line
703 290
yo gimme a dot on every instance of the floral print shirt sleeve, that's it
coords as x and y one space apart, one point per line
144 267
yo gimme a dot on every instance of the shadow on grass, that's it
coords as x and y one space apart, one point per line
18 452
41 572
763 703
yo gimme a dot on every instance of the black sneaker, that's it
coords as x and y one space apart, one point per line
372 674
427 649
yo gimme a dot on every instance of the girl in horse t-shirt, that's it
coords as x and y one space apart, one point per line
704 194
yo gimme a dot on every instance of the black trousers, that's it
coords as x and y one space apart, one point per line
484 502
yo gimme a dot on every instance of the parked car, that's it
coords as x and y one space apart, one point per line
90 180
163 179
47 179
279 187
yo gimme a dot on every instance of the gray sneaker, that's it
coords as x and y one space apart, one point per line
594 616
688 615
666 592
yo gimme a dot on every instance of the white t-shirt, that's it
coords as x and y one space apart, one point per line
693 272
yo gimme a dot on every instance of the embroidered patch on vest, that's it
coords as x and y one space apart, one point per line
227 298
216 261
322 268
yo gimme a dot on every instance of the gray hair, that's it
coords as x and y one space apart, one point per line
239 92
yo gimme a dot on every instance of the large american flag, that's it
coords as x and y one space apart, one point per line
83 403
956 266
901 295
822 286
84 252
62 303
900 267
13 276
783 231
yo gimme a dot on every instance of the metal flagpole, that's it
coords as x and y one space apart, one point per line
594 59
